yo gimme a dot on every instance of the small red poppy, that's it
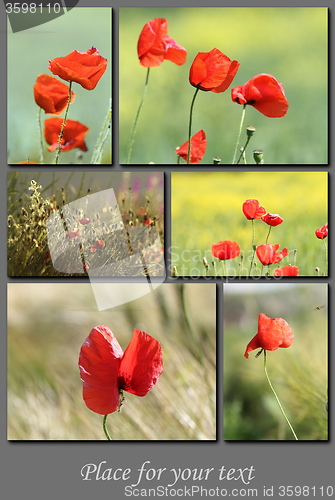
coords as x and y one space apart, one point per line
272 334
154 45
85 68
268 254
226 250
212 71
198 147
73 234
73 135
98 245
264 93
286 271
272 219
252 209
322 232
105 370
84 221
51 94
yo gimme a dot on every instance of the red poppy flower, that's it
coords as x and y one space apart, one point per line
84 221
268 254
198 147
51 94
73 234
154 45
322 232
272 219
252 209
264 93
272 333
85 68
225 250
98 244
105 370
73 135
212 71
286 271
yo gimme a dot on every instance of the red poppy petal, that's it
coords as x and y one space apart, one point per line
198 147
274 333
99 363
253 344
141 364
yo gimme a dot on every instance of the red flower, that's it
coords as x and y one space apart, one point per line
272 333
51 94
85 68
105 370
198 147
264 93
252 209
98 244
322 232
225 250
73 135
212 71
268 254
73 234
272 219
154 45
286 271
84 221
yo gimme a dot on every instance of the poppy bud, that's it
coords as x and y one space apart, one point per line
258 156
250 131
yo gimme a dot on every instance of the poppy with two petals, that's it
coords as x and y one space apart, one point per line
271 334
226 250
264 93
154 45
85 68
73 134
252 209
51 94
267 254
198 147
272 219
286 271
212 71
322 232
99 244
105 370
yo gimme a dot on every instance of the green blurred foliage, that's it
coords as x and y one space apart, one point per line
289 43
207 208
29 52
299 373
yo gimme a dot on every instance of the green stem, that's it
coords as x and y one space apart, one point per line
190 128
274 392
41 134
96 155
326 250
60 137
239 133
243 152
105 428
267 238
132 135
252 245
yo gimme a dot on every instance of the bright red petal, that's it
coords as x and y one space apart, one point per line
253 344
141 364
198 147
274 333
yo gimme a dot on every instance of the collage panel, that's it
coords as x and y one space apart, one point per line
198 84
275 362
94 224
160 347
59 106
249 224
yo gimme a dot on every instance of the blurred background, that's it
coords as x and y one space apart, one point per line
207 208
48 323
289 43
299 374
29 53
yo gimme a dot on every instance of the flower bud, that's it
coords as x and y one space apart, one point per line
250 131
258 156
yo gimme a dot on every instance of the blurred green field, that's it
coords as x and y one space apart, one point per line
28 54
289 43
299 374
207 208
48 323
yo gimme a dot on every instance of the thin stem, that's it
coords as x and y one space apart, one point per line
105 428
60 137
40 134
326 250
268 234
274 392
243 152
252 245
102 136
239 133
132 135
190 128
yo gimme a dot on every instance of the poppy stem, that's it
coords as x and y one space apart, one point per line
239 134
190 128
326 250
252 245
97 152
243 152
267 238
41 135
274 392
105 428
132 135
60 137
